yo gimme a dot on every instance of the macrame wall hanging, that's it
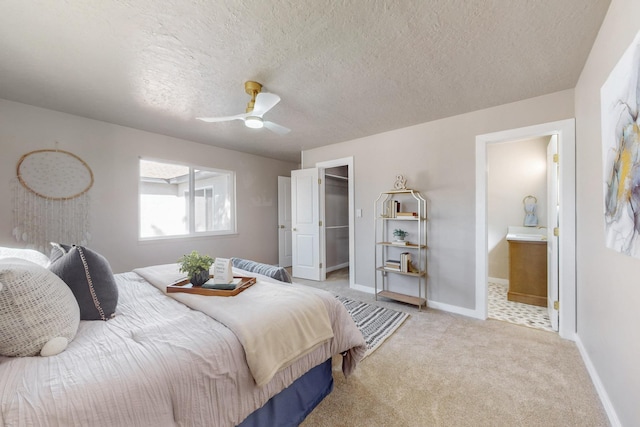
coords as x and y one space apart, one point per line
51 199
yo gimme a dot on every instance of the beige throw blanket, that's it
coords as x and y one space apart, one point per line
276 324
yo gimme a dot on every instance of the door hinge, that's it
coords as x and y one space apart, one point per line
556 305
320 223
320 265
556 231
556 158
319 181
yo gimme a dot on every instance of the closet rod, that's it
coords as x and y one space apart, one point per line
335 176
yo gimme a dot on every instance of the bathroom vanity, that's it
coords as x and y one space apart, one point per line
527 265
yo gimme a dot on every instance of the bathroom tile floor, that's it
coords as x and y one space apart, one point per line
514 312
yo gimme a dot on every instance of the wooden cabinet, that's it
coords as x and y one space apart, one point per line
395 278
528 272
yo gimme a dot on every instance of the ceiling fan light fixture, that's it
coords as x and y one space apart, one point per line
253 122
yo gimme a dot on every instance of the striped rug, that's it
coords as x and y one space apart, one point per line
376 323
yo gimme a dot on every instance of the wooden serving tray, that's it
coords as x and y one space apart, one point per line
186 287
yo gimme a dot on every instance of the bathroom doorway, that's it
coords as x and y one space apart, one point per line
517 223
565 132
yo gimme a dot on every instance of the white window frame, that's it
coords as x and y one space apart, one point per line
231 189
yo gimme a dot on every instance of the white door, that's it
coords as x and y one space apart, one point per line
306 225
553 210
284 221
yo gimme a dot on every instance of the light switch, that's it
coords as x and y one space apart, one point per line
359 213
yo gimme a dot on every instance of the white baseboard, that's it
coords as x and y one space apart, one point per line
337 267
595 378
362 288
452 309
430 304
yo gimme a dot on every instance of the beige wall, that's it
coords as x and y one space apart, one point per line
515 170
438 159
608 282
112 152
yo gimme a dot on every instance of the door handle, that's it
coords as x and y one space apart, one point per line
294 229
282 226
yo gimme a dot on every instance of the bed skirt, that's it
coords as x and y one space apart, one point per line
294 403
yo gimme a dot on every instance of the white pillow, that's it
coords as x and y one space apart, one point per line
28 254
38 312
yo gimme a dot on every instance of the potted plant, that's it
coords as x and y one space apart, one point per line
196 266
399 234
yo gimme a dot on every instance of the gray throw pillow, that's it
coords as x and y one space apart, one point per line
90 278
273 271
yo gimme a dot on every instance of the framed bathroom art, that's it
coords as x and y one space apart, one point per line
620 106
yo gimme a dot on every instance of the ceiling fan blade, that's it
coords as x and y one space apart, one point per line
274 127
264 102
223 119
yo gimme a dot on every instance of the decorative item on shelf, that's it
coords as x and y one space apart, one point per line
400 234
196 266
401 183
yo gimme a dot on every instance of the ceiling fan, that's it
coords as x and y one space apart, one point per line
260 103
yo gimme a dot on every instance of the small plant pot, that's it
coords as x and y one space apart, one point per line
200 278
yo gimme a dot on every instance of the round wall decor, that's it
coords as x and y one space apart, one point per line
54 174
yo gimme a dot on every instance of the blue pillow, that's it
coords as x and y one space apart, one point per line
273 271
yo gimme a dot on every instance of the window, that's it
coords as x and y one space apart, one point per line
180 200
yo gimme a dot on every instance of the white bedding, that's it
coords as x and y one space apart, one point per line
157 363
258 317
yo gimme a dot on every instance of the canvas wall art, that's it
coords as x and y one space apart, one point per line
620 103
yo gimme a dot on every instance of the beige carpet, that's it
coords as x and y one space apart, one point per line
441 369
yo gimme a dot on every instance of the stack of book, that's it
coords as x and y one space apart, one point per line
232 285
392 264
406 214
400 242
403 265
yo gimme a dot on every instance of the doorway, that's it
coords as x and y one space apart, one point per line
565 131
335 213
517 202
345 166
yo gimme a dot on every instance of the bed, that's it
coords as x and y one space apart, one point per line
159 362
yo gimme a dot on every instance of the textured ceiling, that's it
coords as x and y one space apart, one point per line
344 69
